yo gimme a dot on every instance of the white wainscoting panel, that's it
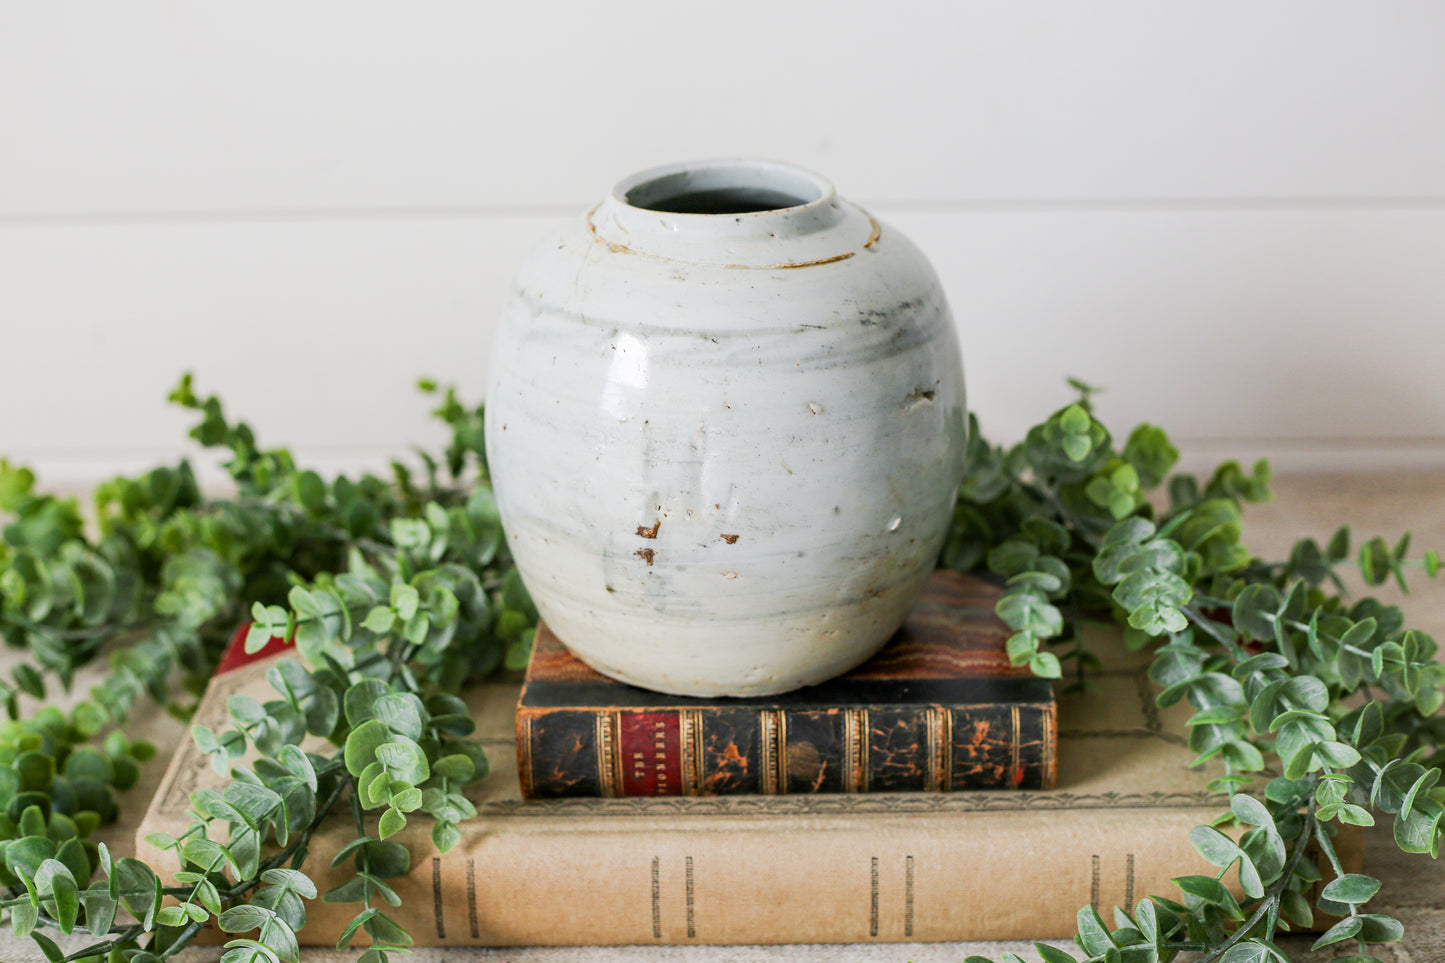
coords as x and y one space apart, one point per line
160 106
1305 334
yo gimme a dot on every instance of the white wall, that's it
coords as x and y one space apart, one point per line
1231 214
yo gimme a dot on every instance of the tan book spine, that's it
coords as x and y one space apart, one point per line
910 876
845 877
913 877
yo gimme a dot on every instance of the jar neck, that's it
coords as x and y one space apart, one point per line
731 213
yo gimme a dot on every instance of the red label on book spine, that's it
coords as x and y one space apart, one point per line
651 753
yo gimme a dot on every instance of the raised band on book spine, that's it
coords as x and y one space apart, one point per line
692 750
524 754
774 750
857 749
939 739
607 754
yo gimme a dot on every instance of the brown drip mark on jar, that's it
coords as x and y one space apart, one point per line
873 237
876 233
614 247
644 532
730 539
789 265
646 554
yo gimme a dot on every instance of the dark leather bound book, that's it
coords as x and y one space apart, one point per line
938 709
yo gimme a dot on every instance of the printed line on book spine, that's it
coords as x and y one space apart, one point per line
873 898
691 917
908 897
436 896
657 897
1094 883
472 920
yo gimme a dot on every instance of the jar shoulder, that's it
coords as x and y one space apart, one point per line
887 284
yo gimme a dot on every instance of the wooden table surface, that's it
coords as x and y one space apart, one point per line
1414 887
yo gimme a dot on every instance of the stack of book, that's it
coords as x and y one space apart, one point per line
641 857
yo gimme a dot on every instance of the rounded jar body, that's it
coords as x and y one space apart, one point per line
725 426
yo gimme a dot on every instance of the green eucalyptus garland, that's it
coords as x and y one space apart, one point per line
398 590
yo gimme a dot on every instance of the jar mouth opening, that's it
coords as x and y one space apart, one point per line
724 187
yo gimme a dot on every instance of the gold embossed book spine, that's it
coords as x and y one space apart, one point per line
940 709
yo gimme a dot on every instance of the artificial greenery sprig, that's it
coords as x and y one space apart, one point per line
396 589
1272 658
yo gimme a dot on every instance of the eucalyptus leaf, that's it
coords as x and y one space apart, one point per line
244 918
291 879
1093 935
403 760
1343 930
1252 951
1352 888
100 909
402 713
1214 846
385 931
23 917
362 744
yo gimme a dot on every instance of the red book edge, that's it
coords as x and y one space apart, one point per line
236 655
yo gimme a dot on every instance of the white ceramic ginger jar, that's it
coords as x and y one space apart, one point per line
725 425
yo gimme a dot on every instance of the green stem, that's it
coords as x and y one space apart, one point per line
235 893
1271 899
328 529
303 838
1328 848
359 819
1209 626
183 939
77 635
122 938
125 935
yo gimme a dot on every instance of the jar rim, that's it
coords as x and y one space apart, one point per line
732 213
724 187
